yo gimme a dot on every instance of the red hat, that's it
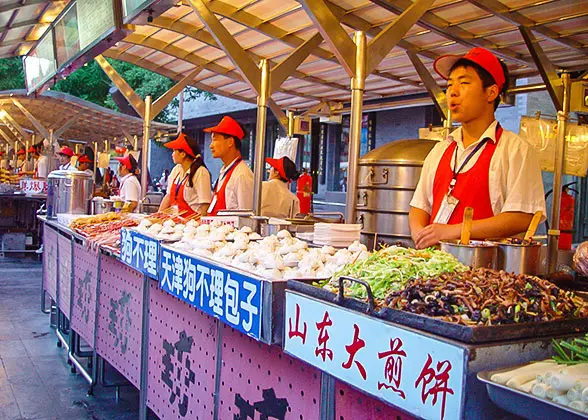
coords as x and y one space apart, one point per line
66 151
126 161
1 153
32 149
278 164
84 159
480 56
227 126
181 143
21 152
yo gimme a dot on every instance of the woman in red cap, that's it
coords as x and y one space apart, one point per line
130 188
20 159
276 199
188 187
480 165
233 190
65 154
84 163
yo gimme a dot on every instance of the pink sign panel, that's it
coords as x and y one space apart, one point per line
120 308
50 261
83 308
65 268
182 358
261 381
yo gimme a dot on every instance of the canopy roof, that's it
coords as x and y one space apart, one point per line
85 120
177 41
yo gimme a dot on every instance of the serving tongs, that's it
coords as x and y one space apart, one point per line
466 227
532 228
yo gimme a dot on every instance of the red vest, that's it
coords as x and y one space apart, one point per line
177 198
219 198
472 188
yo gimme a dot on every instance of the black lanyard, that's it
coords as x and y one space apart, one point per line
464 163
220 178
178 186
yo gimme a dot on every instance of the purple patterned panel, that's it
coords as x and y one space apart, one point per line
65 268
50 261
120 306
258 380
351 404
83 308
182 358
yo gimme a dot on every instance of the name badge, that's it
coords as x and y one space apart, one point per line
447 208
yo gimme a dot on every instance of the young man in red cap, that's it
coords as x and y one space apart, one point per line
188 188
233 189
480 165
65 154
84 163
276 199
20 159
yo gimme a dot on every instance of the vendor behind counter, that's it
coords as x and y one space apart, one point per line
276 199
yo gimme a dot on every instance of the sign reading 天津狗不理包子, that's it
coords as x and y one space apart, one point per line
411 371
140 252
232 297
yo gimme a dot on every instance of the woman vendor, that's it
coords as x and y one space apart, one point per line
188 187
480 165
65 154
276 199
130 188
20 160
84 163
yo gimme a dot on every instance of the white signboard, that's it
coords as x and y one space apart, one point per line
414 372
33 186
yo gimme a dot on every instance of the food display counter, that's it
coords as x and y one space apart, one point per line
200 336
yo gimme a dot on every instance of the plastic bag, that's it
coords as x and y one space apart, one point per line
286 146
581 259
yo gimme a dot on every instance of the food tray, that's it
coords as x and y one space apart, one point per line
463 333
526 405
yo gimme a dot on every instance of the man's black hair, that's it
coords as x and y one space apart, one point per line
487 79
238 142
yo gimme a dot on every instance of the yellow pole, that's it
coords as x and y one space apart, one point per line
145 146
260 135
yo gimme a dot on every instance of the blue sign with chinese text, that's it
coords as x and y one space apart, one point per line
232 297
139 252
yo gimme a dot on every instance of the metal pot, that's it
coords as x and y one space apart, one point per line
68 192
477 254
519 259
101 206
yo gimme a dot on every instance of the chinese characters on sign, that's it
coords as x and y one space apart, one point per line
270 407
231 297
139 252
120 321
406 369
85 296
177 373
33 186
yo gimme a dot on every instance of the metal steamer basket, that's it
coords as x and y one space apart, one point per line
477 254
388 177
68 192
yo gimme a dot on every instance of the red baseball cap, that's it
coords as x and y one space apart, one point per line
278 165
480 56
21 152
66 151
181 143
227 126
84 159
126 161
32 149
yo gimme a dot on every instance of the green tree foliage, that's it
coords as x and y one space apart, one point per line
91 84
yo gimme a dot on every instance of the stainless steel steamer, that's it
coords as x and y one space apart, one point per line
68 192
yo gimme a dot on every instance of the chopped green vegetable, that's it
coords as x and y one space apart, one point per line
571 352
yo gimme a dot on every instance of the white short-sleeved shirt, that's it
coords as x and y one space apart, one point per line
277 200
67 167
130 188
515 175
200 193
239 190
42 166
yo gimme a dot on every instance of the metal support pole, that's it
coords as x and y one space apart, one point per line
15 158
290 124
145 146
181 111
447 125
357 88
562 121
95 156
260 135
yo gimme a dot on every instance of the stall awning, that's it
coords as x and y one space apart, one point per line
70 117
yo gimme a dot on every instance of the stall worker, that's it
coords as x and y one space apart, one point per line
84 163
20 159
130 188
233 189
276 198
4 163
41 161
480 165
65 154
188 190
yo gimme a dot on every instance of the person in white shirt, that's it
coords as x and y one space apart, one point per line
84 163
233 189
188 189
65 154
276 199
41 167
20 160
480 165
130 188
